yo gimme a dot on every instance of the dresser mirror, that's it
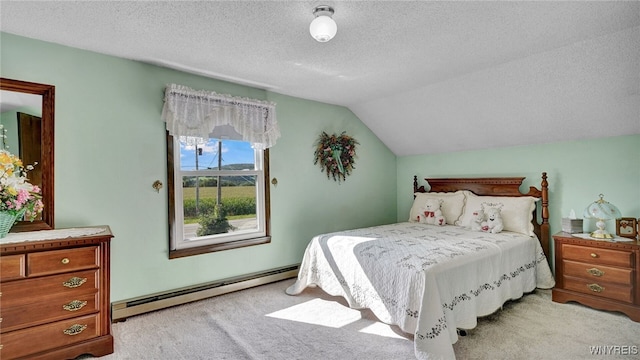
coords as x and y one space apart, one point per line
29 135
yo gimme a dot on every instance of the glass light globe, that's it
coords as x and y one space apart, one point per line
601 210
323 28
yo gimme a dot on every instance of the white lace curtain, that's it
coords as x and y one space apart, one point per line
197 113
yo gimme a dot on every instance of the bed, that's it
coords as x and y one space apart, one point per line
432 280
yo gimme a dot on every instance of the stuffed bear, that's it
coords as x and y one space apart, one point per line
477 220
431 213
493 223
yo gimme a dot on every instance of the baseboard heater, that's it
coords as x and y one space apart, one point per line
121 310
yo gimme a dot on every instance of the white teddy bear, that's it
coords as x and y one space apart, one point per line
477 220
431 213
493 223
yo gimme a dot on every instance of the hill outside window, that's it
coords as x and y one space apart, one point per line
218 170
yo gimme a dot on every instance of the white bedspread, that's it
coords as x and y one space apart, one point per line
426 279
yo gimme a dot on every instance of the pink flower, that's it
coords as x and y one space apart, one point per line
23 196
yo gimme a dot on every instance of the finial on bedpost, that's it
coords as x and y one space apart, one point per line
415 184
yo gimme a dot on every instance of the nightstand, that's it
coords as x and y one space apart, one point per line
604 275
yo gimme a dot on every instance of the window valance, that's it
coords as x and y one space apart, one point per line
190 112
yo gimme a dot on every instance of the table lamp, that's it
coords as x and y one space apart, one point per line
602 211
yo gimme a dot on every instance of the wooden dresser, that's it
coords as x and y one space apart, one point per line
604 275
54 294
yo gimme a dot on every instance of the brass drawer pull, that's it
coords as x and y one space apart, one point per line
75 305
594 255
595 272
74 329
596 288
74 282
65 261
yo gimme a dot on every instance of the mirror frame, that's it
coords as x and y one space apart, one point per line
48 106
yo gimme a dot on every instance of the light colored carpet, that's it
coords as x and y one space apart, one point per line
265 323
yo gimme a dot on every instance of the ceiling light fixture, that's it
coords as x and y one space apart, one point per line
323 28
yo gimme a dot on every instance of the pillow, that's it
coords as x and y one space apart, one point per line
452 205
517 212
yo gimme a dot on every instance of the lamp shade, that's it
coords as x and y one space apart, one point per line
602 210
323 28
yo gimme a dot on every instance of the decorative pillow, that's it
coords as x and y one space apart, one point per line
517 212
452 205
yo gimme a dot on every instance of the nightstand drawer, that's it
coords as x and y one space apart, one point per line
597 272
12 267
54 262
596 288
597 255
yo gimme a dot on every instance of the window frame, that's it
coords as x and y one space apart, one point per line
220 246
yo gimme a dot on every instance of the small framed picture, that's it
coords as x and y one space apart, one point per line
626 227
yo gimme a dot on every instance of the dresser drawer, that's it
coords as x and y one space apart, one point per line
598 288
21 292
12 267
58 261
597 255
597 272
39 338
54 309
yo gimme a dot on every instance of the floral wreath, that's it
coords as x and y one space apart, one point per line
336 153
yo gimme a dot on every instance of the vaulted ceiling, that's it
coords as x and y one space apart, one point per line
424 76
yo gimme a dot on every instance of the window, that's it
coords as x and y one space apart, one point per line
217 169
218 196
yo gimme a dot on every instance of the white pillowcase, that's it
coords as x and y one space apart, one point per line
452 205
517 212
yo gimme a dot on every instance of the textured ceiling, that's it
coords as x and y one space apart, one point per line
425 77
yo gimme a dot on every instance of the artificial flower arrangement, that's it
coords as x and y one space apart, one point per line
336 153
17 195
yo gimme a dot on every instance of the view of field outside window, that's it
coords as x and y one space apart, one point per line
219 186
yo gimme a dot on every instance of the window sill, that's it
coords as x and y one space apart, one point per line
178 253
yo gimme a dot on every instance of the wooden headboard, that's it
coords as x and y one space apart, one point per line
498 186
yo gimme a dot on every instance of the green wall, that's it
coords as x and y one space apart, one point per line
110 148
578 171
9 119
